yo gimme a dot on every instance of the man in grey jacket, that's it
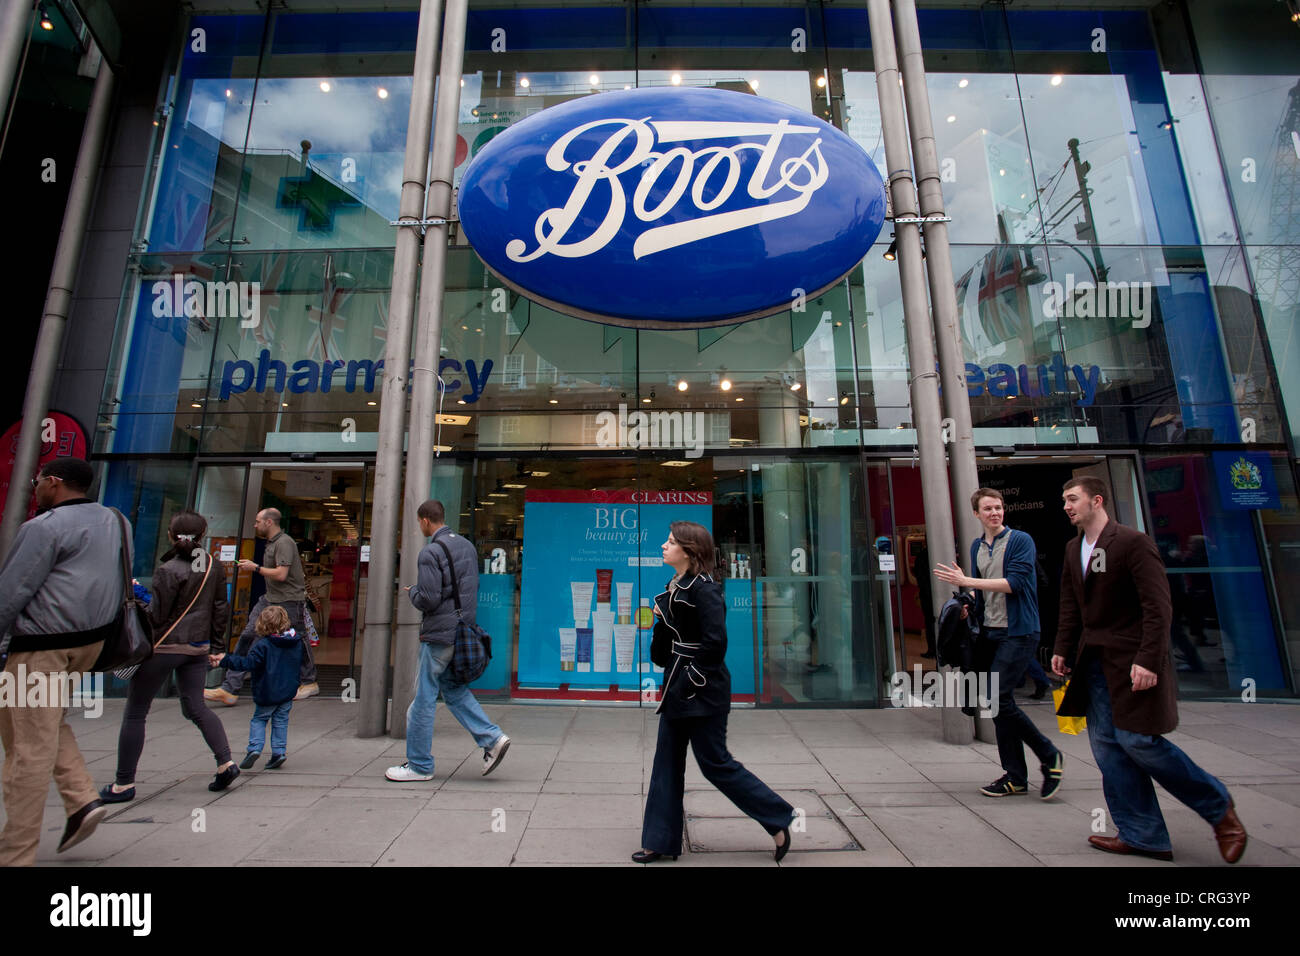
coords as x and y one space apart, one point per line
432 594
61 592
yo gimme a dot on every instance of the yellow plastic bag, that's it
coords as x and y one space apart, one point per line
1067 725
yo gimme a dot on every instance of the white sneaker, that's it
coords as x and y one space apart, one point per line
404 774
495 754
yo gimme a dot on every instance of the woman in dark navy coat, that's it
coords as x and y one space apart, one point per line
690 644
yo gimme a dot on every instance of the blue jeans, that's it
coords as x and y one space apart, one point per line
462 703
1129 762
1011 657
664 812
278 715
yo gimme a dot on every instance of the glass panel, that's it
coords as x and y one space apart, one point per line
1223 630
815 647
220 500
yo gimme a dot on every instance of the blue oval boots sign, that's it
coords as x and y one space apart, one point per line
671 208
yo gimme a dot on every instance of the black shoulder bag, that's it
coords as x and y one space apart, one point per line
473 645
131 642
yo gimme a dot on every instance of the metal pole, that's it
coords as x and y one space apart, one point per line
15 27
920 335
428 346
962 471
58 299
392 410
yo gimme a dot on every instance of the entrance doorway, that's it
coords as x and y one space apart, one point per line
324 507
1031 486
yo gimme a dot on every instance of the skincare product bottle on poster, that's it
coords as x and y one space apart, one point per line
581 594
604 587
733 566
568 647
602 636
624 591
645 627
583 650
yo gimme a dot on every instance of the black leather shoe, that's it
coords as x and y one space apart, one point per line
784 848
82 824
224 778
650 856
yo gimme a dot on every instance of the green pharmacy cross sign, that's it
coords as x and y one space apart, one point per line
316 198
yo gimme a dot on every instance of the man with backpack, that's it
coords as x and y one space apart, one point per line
1002 562
446 558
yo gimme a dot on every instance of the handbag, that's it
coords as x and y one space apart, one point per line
473 647
127 672
131 641
1067 725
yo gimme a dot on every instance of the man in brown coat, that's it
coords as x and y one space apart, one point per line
1114 626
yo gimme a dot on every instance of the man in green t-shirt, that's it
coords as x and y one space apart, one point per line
286 587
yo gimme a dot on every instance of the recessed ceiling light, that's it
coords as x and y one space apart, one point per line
682 385
594 80
676 464
383 93
725 385
324 86
753 85
739 398
963 83
554 401
676 79
1056 80
523 81
508 485
645 401
539 474
952 118
195 405
372 403
821 82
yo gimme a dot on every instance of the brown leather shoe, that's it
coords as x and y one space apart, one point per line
1231 836
1116 845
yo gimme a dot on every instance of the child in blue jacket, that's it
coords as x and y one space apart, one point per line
274 663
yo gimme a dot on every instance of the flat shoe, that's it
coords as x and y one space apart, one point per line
82 824
108 795
224 778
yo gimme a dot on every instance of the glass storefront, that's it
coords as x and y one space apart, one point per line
1113 290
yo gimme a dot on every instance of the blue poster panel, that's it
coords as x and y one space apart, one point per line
1246 480
496 613
591 568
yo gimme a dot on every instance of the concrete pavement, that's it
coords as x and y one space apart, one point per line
876 788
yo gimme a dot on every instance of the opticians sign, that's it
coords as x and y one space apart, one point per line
671 208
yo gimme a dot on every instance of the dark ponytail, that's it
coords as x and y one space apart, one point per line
188 528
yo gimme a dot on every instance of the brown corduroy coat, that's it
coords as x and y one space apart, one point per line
1122 612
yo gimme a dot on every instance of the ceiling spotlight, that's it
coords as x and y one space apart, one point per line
1057 79
725 385
383 93
892 252
324 86
795 386
523 81
554 401
821 82
594 80
963 83
675 79
952 118
682 385
46 22
1294 7
844 399
753 85
645 401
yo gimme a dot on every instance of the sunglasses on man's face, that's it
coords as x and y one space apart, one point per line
36 481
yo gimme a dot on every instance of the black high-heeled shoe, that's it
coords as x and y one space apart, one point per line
650 856
779 854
